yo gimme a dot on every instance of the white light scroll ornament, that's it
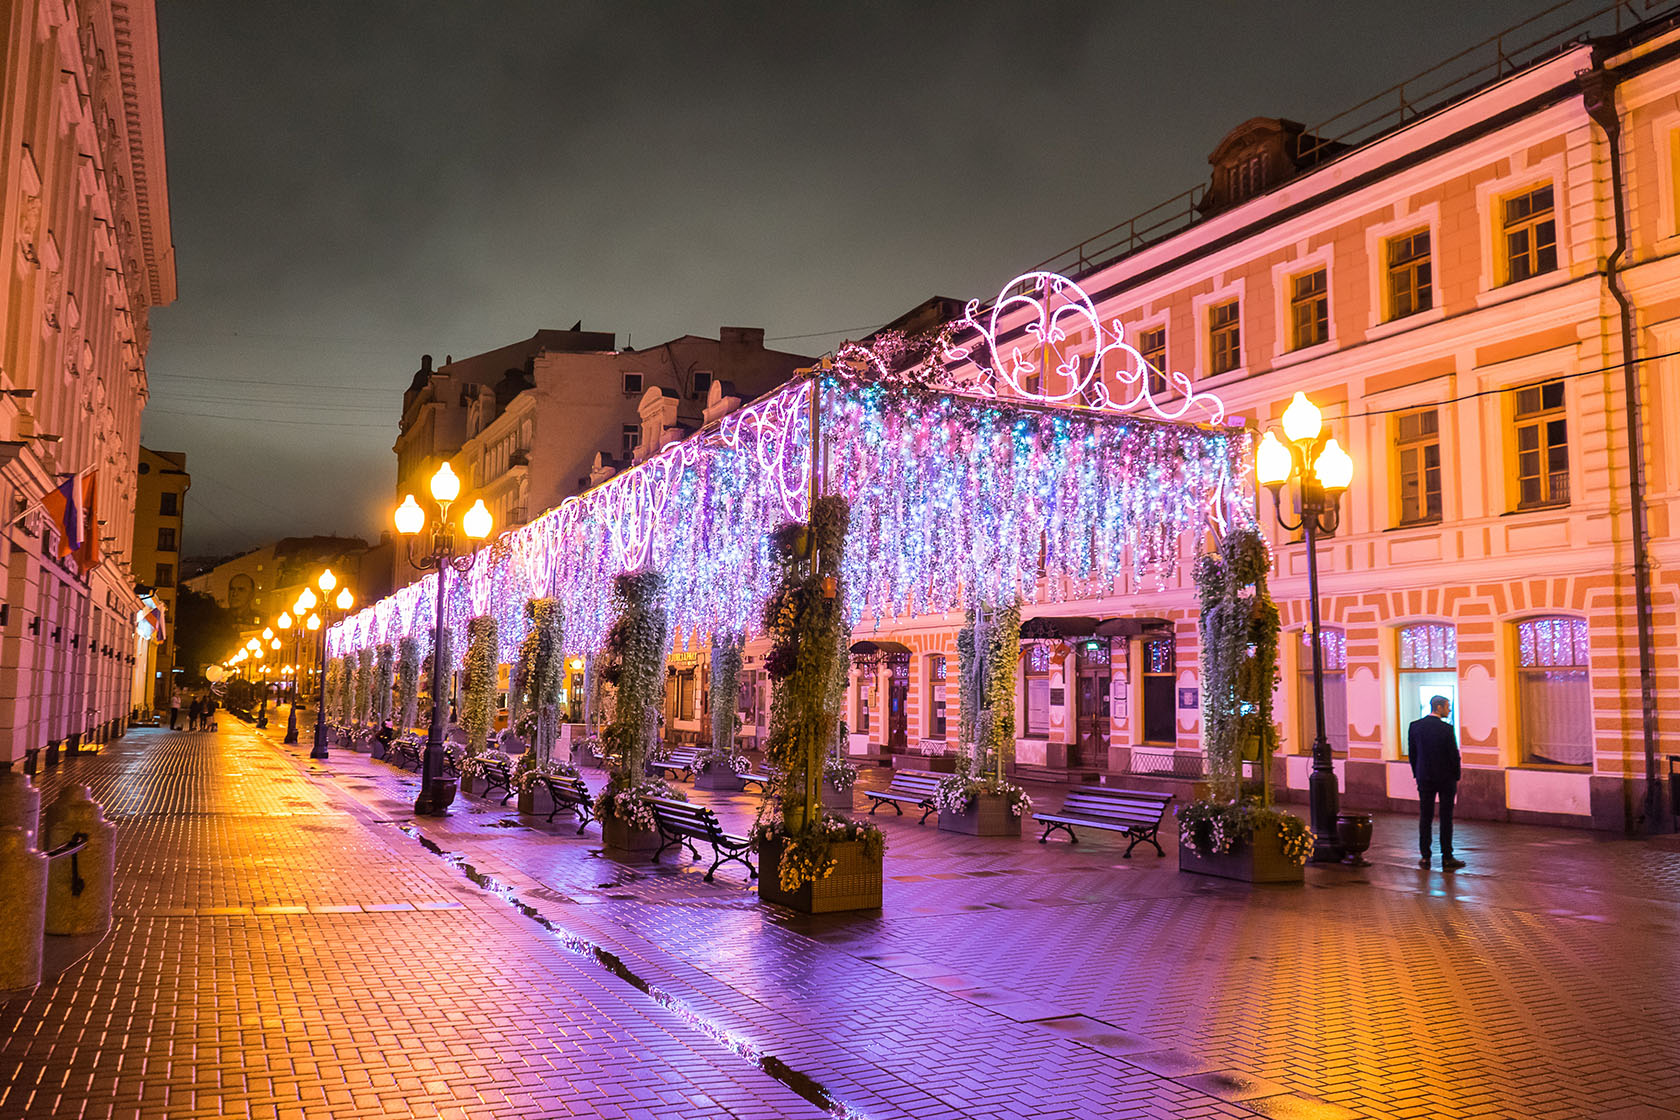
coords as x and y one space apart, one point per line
1042 340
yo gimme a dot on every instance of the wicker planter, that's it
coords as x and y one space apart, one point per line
833 797
1261 861
620 836
987 815
720 777
854 885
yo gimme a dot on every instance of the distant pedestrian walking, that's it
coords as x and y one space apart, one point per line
1433 750
210 712
174 710
195 712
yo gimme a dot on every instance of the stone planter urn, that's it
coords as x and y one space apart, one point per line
1354 831
854 885
1260 861
987 815
718 776
621 836
833 797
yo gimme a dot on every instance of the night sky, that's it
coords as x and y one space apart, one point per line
355 184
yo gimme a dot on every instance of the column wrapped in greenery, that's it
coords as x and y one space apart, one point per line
1238 626
448 643
539 674
408 683
806 623
478 692
334 701
987 728
634 664
362 687
725 692
384 673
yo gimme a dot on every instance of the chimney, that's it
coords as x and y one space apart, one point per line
426 364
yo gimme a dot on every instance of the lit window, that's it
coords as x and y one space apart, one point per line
1036 681
1160 695
1152 344
1553 693
1530 235
1309 310
1428 668
1417 450
1542 442
1409 275
1224 338
1333 644
936 694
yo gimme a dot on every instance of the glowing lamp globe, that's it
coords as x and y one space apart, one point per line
1334 467
268 633
314 622
1302 420
476 521
345 600
1272 461
446 486
284 621
252 644
305 602
274 643
410 518
327 580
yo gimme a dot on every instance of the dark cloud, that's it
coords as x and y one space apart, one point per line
354 184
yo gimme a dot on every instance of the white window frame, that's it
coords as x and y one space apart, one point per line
1377 237
1200 307
1490 219
1283 275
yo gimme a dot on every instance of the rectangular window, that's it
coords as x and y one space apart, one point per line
1333 644
1409 278
166 540
1428 668
632 384
1224 338
1160 692
169 503
1152 344
1553 693
1530 235
165 575
1417 450
631 439
1542 443
1035 672
1309 310
936 695
702 383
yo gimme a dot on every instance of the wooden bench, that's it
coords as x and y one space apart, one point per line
677 760
911 787
496 776
753 777
569 792
401 752
682 823
1129 812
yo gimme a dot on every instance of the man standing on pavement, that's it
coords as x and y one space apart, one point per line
1433 750
174 709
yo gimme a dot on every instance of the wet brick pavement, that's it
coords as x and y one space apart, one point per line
285 941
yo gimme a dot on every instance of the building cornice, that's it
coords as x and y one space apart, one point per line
135 22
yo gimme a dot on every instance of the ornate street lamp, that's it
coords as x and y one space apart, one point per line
436 792
262 710
284 622
326 581
1318 472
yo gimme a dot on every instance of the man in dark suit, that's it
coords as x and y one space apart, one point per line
1433 750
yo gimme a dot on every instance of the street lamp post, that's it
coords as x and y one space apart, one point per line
262 710
326 582
1320 472
436 792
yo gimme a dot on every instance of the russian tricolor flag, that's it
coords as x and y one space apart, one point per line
64 508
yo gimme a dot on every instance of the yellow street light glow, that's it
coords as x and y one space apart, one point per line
252 644
314 622
1302 420
268 632
345 599
410 518
1272 461
274 643
259 653
476 522
446 487
306 601
327 580
1334 467
284 621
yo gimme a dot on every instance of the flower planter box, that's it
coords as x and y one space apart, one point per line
472 785
535 800
937 763
854 885
1262 861
987 815
620 836
834 797
718 777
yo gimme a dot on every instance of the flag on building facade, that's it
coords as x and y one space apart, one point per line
63 506
87 555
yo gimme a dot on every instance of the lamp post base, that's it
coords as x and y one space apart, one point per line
435 798
1324 800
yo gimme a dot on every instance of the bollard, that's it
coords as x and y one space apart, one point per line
20 803
79 887
23 884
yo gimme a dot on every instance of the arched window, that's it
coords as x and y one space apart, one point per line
1334 644
1554 698
1428 668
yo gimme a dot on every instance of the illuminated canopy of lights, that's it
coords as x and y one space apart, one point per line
972 475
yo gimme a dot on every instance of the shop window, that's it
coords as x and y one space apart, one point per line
865 695
1309 309
1428 667
1542 442
1036 681
1410 287
1530 233
1554 697
1417 453
1224 338
1333 644
936 696
1160 691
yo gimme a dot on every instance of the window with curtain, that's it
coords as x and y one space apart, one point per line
1554 697
1428 667
1333 643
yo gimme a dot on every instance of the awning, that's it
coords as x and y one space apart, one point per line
1051 627
1133 627
867 653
